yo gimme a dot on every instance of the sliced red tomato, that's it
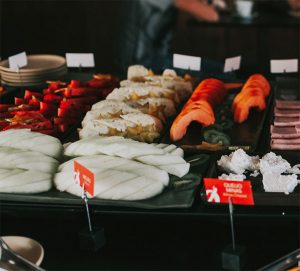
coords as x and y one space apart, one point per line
22 107
48 91
100 83
3 124
50 131
16 126
83 100
62 128
48 109
28 94
77 84
4 107
19 101
52 98
27 117
43 125
69 113
70 105
35 102
67 121
81 91
6 115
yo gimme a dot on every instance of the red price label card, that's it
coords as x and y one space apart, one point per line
84 177
219 191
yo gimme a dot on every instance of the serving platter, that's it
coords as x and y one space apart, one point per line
245 135
180 193
37 64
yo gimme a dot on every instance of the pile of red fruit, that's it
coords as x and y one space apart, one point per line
58 107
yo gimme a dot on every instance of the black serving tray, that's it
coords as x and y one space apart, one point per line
246 134
180 193
261 198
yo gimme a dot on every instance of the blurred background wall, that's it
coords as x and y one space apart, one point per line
57 27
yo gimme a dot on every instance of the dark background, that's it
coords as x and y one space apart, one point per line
57 27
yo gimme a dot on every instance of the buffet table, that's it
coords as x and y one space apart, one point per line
154 235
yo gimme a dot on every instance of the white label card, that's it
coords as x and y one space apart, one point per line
76 60
284 65
232 64
186 62
17 61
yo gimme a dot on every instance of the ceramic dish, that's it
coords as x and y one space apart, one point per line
37 63
27 248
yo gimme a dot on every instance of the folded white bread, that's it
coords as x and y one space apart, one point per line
163 156
110 162
24 181
173 164
108 109
138 126
155 106
169 79
113 145
142 92
112 184
12 158
24 139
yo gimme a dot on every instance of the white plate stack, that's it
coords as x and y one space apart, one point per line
39 69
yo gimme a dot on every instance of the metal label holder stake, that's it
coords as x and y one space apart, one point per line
91 238
233 257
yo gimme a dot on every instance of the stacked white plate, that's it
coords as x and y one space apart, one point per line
39 69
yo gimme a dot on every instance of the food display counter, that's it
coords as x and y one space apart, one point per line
179 200
149 141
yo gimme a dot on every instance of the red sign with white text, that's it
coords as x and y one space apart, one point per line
219 191
84 177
